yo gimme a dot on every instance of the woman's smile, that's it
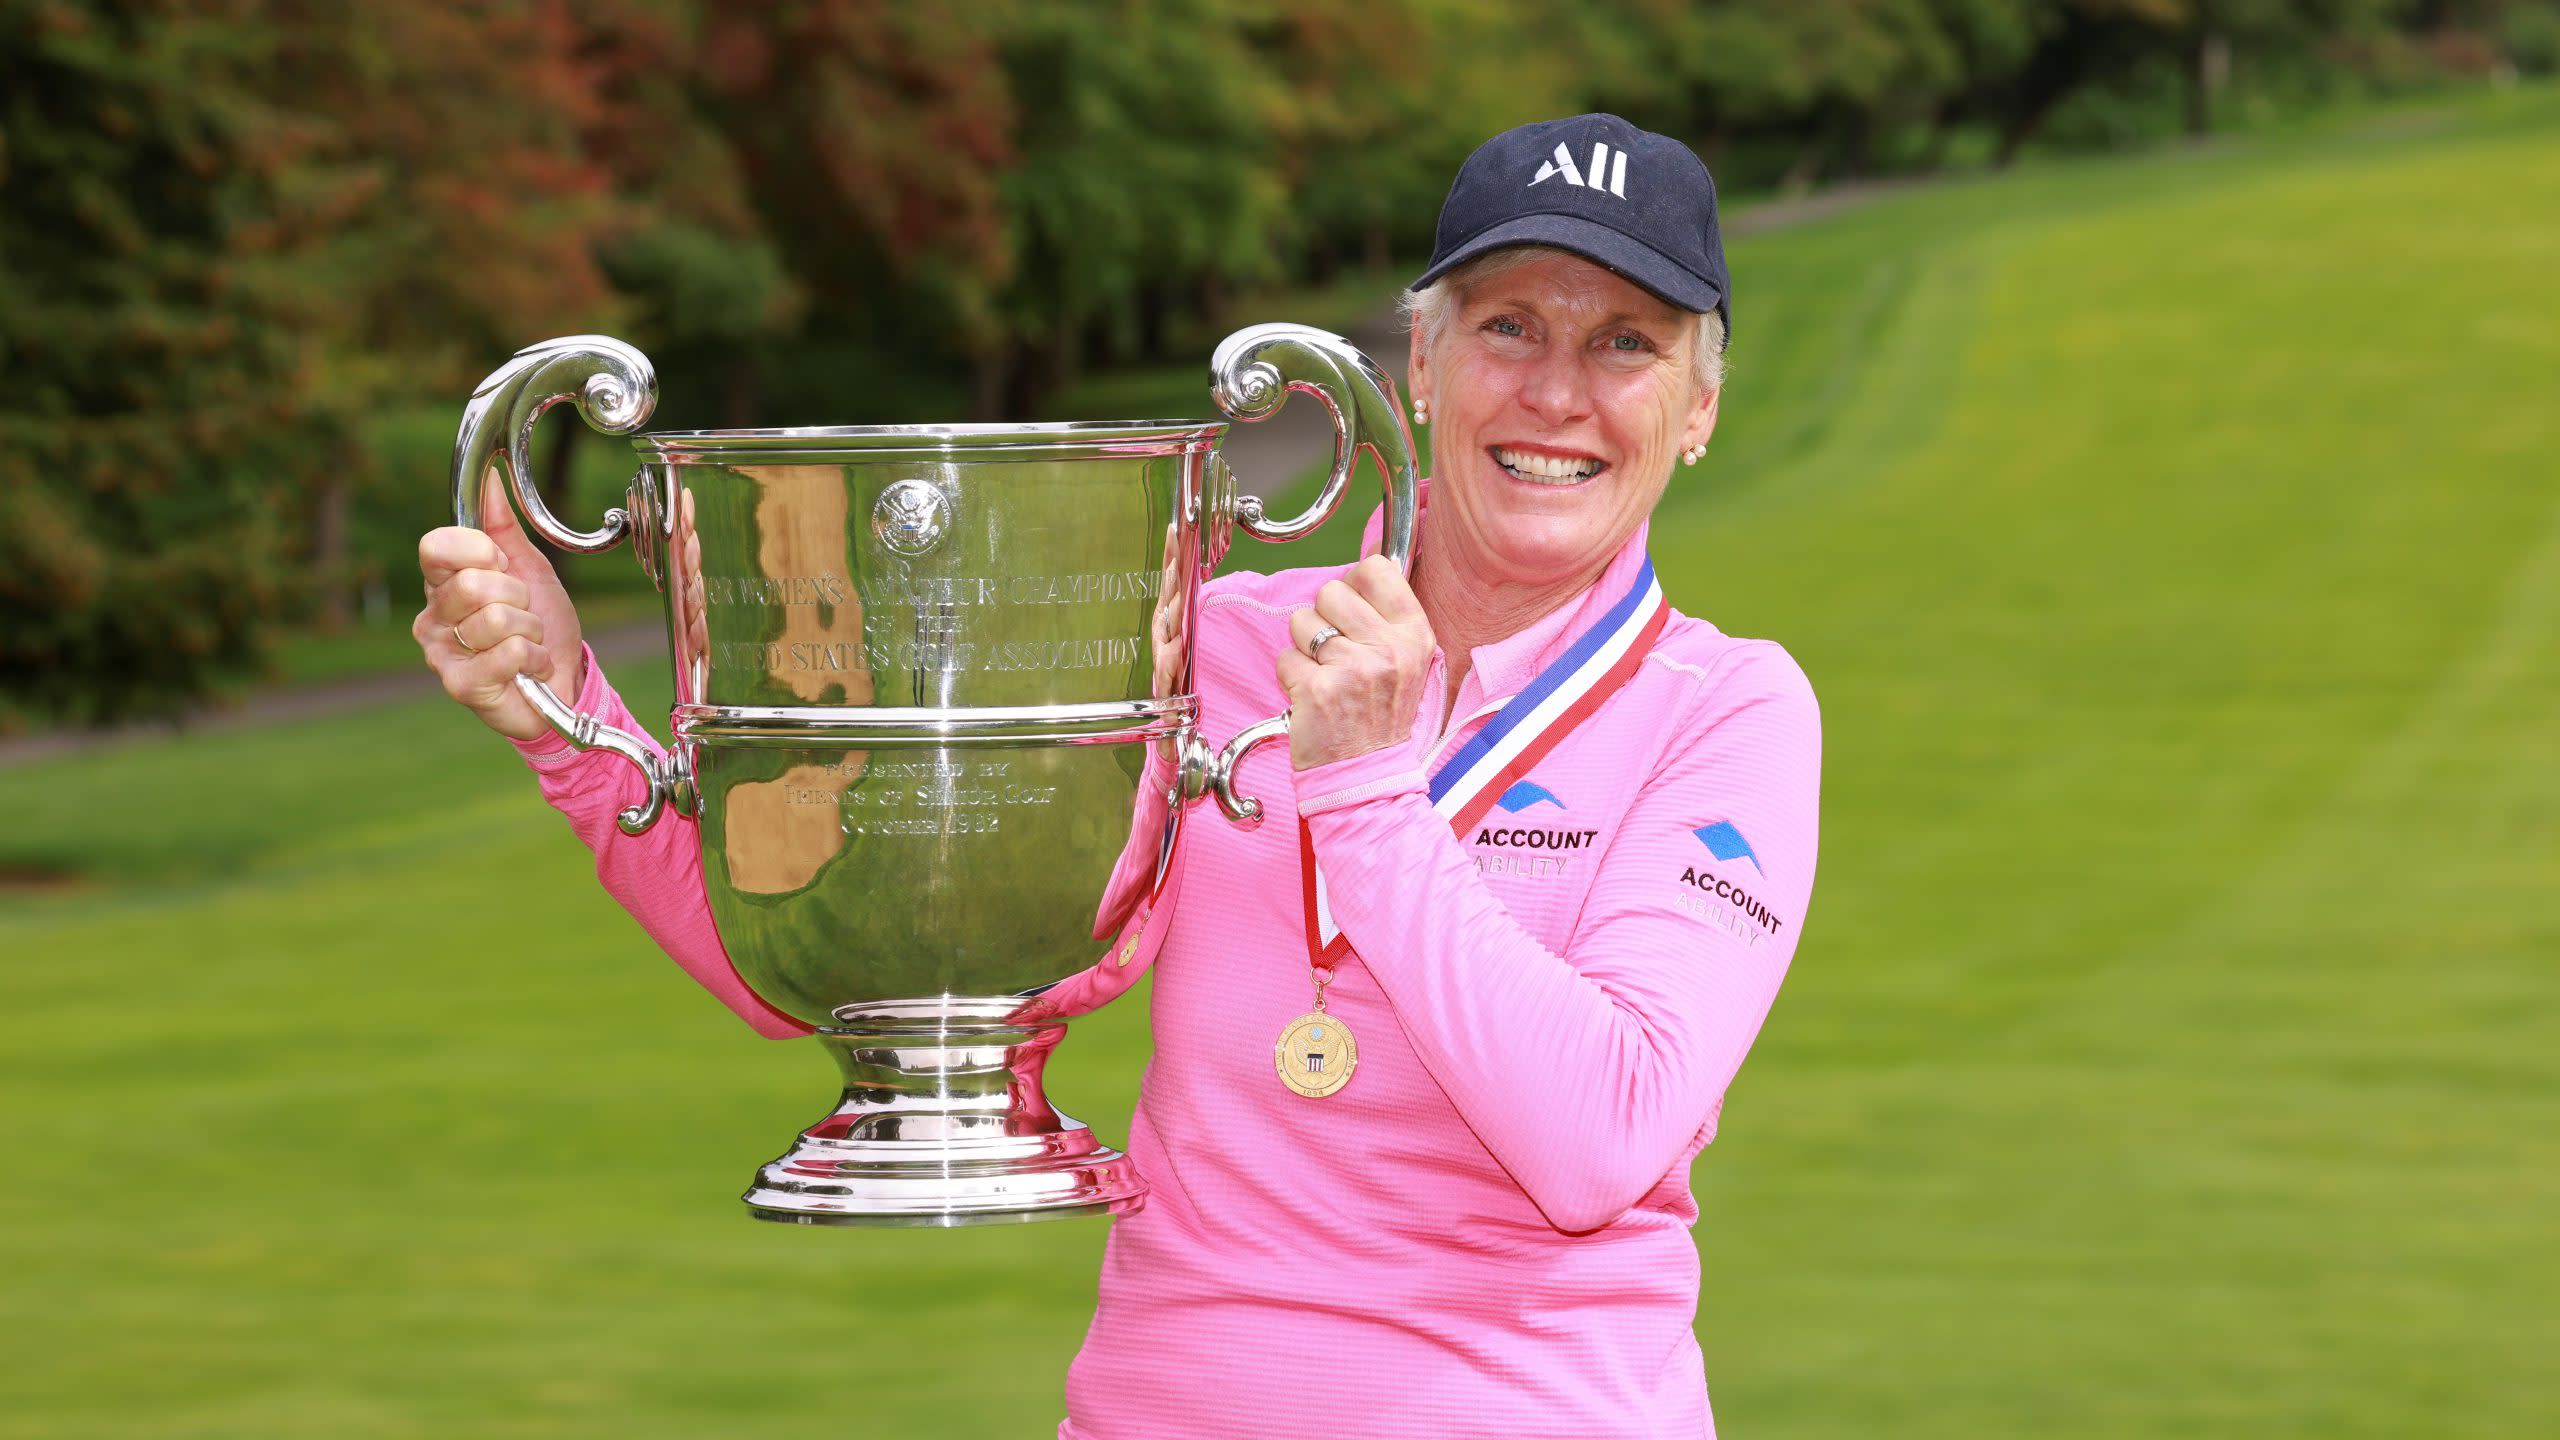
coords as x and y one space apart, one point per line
1546 466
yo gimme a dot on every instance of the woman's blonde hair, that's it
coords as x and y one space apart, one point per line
1427 310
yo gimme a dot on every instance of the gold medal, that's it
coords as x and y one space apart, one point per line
1316 1053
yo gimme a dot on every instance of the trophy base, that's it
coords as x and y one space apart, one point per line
943 1123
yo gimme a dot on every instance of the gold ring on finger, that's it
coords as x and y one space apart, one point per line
458 640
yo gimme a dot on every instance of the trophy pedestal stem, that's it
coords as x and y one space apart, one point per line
943 1122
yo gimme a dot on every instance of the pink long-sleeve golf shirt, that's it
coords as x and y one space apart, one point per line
1485 1231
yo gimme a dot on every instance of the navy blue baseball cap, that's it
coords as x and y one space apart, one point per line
1641 204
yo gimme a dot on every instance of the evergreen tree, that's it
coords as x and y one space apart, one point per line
150 375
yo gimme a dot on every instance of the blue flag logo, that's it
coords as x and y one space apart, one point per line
1726 843
1525 794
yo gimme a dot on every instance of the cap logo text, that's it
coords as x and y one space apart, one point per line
1602 164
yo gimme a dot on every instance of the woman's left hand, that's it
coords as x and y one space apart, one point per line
1361 688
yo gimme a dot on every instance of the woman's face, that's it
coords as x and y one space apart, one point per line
1560 396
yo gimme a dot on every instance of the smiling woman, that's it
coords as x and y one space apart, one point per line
1453 1198
1561 393
1486 1230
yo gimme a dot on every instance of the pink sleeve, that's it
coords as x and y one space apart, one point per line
1590 1074
656 876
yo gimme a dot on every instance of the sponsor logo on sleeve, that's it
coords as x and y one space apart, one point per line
1726 843
1723 899
1535 850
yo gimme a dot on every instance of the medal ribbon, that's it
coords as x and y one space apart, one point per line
1569 691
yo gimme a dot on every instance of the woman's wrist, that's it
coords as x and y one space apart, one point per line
591 696
1355 779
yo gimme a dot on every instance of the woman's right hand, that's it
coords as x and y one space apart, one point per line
495 609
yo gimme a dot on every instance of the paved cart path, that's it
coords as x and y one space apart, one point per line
285 704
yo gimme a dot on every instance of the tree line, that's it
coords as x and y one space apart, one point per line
236 235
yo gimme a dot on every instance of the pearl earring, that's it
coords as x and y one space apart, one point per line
1693 454
1421 413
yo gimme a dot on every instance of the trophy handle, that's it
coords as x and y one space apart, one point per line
615 389
1252 373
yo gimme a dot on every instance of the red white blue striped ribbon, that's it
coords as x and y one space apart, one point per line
1569 691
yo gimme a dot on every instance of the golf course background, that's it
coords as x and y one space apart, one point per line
2174 543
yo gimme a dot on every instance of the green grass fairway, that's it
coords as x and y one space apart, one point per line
2175 545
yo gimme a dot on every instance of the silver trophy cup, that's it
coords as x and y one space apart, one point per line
934 724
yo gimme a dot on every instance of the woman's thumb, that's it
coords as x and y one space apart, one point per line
498 521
